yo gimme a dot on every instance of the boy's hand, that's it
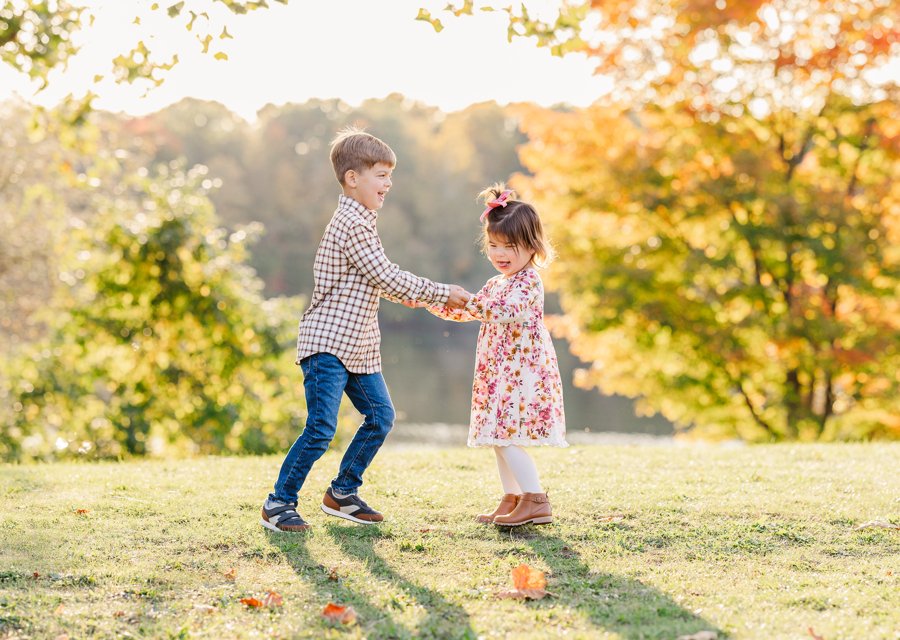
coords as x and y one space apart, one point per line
458 297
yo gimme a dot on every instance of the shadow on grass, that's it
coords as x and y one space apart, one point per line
444 620
612 602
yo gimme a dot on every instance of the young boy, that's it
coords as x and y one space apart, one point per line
338 345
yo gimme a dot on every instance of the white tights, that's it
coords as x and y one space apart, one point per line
517 471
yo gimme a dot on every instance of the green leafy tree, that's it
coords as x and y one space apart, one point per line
161 339
727 218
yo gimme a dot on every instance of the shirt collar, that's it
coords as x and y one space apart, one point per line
349 204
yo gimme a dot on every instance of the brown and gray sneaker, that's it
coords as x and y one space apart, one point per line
283 517
352 508
507 503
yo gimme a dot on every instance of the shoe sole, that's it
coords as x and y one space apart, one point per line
269 525
541 520
341 514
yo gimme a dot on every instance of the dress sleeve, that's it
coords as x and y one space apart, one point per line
511 304
364 252
458 315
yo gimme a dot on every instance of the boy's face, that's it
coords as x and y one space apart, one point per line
370 186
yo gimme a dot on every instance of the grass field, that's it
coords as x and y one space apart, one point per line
748 542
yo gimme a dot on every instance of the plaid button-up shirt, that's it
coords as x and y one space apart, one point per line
351 273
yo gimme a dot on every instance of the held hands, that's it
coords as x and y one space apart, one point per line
457 300
458 297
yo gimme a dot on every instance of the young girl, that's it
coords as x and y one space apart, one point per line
517 396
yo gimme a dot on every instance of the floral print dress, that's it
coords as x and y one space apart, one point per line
517 394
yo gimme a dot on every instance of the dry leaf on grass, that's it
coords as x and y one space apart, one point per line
612 517
208 608
59 609
339 614
527 583
814 634
82 512
876 524
230 575
251 602
701 635
334 575
272 599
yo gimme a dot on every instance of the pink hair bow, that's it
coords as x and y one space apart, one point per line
499 202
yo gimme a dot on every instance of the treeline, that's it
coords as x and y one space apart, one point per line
145 310
277 172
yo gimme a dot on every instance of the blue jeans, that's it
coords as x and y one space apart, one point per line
325 380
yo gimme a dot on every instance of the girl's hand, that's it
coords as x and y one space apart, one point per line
412 304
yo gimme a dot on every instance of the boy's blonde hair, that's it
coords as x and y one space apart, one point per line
353 148
518 223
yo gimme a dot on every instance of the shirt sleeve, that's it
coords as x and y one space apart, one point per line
364 251
510 305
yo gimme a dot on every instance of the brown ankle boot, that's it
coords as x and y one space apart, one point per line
532 507
507 504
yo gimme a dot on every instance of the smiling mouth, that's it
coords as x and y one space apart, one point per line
503 265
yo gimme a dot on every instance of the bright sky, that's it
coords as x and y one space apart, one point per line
348 49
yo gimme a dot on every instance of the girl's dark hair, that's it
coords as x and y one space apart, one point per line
517 223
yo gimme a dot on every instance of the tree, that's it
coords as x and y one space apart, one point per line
728 218
160 339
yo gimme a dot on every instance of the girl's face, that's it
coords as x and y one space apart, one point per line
507 258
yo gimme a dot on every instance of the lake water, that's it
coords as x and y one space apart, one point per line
428 365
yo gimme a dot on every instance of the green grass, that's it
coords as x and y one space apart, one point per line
751 542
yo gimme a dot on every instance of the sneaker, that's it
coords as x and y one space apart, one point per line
351 508
283 517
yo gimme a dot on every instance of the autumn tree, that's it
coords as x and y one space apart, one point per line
728 218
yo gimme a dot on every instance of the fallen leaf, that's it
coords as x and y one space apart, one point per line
59 609
229 575
334 614
36 575
888 573
814 635
524 577
701 635
424 530
251 602
334 575
522 594
208 608
119 614
876 524
272 599
82 511
612 517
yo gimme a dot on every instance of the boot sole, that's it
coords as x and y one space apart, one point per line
540 520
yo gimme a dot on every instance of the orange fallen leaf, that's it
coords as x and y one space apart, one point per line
527 583
251 602
229 575
814 635
59 609
424 530
36 575
82 511
334 614
524 577
118 614
876 524
333 575
272 599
